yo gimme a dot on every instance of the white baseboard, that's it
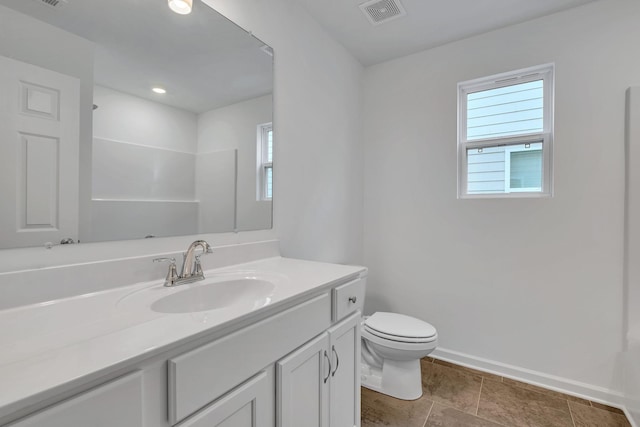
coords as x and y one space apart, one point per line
630 418
562 385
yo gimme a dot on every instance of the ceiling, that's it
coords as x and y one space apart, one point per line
427 24
150 45
203 60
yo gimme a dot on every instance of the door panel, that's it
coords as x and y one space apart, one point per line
303 386
246 406
39 155
344 341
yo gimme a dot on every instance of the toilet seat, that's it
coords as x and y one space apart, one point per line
397 338
400 328
426 345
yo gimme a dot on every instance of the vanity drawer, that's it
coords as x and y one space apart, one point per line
206 373
348 298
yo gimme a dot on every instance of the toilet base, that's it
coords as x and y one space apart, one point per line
399 379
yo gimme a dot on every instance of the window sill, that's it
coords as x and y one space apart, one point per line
515 195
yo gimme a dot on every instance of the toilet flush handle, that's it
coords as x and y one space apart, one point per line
353 299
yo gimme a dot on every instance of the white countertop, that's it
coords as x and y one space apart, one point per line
48 348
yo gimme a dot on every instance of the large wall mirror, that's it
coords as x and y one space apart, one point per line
123 120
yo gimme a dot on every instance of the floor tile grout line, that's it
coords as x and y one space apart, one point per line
571 413
541 391
464 412
426 420
479 395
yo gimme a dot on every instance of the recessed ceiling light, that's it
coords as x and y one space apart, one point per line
183 7
159 90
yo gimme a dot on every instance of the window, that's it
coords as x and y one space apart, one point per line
265 161
505 134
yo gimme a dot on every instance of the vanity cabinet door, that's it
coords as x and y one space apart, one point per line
344 389
249 405
303 385
117 403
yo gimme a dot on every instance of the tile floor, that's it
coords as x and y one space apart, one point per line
455 396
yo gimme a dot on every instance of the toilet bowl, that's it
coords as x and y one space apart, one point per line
392 346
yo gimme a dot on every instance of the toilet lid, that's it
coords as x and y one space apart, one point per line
368 332
399 326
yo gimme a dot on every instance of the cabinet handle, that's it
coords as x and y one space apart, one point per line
333 348
353 299
329 362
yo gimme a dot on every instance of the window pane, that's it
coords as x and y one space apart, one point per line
505 169
526 170
506 111
269 182
485 170
269 146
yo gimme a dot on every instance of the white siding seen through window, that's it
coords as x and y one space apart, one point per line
506 111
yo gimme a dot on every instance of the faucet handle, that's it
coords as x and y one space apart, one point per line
197 270
171 260
172 275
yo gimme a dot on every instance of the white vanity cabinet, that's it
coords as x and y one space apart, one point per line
116 403
318 385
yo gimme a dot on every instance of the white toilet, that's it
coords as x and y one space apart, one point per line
392 346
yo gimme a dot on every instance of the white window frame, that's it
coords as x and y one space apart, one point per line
263 163
542 72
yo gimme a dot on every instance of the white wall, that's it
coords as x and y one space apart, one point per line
216 191
128 118
317 117
526 284
143 168
632 254
143 149
235 127
632 216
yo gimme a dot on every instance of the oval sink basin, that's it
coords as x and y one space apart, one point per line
255 293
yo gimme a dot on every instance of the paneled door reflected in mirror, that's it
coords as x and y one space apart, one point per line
124 120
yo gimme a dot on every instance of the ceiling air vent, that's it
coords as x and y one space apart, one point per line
381 11
54 3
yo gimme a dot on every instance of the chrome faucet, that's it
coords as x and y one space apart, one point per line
191 265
